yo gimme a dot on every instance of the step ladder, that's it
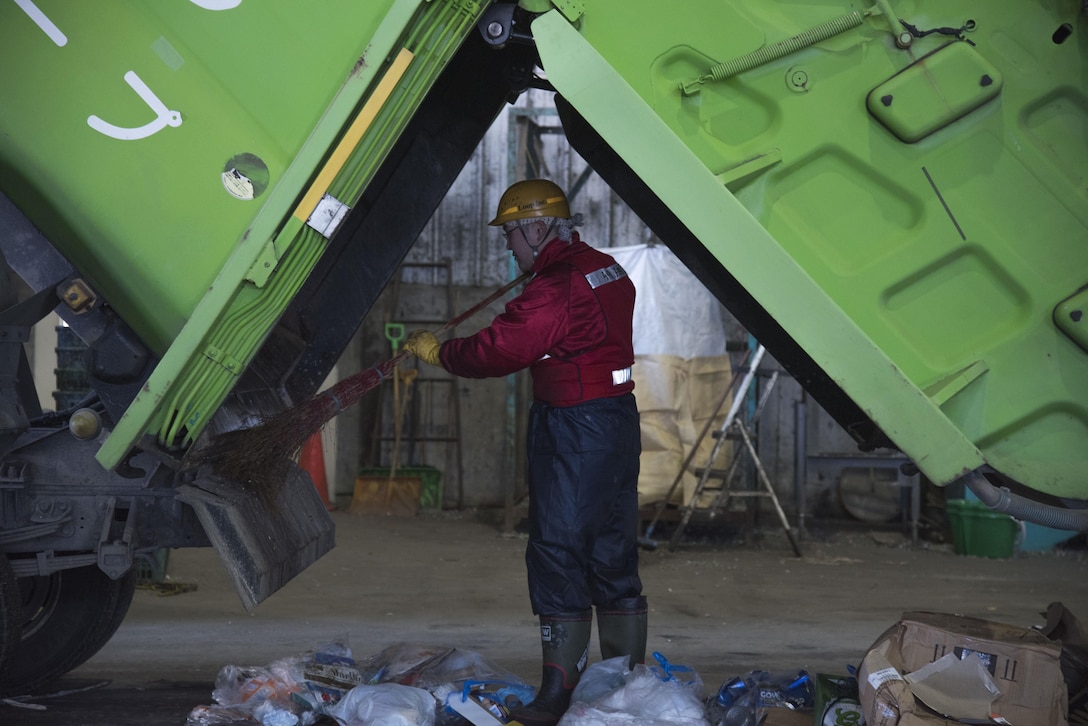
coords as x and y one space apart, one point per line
735 428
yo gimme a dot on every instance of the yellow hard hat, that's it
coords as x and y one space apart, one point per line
531 198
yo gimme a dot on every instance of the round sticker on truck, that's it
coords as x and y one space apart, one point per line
245 176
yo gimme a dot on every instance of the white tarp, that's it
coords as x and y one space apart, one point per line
681 370
674 314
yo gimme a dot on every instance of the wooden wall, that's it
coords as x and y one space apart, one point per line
525 141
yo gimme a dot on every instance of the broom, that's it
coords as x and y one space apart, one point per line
259 457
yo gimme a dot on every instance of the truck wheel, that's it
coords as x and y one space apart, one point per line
11 616
66 618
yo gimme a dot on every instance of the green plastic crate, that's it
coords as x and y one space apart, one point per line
977 530
430 478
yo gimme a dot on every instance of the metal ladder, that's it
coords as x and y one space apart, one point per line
735 428
427 400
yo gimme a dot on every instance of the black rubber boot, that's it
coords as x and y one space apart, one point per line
564 642
621 627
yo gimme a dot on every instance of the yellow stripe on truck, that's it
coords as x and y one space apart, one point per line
354 133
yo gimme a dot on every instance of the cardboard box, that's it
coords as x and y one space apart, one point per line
966 668
788 717
1062 625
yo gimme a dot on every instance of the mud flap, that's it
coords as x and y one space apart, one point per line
263 541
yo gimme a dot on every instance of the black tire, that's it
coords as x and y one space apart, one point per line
11 616
66 618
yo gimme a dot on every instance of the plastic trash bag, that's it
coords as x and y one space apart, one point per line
602 678
430 667
263 695
402 663
462 669
296 691
282 693
385 704
659 695
682 674
463 675
450 673
217 716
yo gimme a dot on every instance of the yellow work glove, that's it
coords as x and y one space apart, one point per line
424 345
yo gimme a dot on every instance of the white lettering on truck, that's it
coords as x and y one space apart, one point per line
163 116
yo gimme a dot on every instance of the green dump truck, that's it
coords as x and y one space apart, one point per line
212 194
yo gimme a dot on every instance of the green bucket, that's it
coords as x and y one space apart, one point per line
978 530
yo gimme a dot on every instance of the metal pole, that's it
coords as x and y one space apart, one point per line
800 461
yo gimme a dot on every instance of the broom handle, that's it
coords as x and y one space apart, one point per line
453 323
482 304
390 365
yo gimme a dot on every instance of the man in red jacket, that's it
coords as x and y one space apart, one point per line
571 327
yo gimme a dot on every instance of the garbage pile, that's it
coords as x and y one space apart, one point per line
418 685
927 669
405 684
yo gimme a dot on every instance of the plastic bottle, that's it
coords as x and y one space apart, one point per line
731 691
738 715
742 700
798 693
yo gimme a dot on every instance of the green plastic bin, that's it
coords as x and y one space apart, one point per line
977 530
430 478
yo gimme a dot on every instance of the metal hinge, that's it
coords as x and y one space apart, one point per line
115 544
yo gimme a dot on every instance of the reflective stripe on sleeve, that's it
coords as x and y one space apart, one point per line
605 275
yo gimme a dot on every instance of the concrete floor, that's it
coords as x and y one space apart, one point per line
453 579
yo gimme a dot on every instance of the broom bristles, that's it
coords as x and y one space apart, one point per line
259 456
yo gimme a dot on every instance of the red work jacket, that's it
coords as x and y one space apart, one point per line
571 327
